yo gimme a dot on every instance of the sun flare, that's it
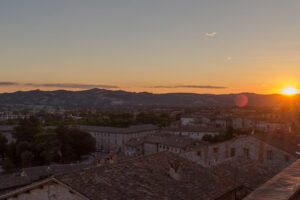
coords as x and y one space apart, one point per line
289 91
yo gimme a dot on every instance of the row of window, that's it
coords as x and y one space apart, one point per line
169 148
246 153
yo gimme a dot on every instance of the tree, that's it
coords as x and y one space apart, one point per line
8 165
3 143
46 147
26 158
74 143
27 129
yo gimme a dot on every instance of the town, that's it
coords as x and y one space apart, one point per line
149 100
201 153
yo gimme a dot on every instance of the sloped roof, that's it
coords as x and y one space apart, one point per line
283 186
131 129
32 174
285 142
148 178
166 139
172 140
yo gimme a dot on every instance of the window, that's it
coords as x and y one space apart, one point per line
199 153
232 152
246 152
269 155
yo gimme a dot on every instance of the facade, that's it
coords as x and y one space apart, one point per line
248 147
152 144
114 139
270 126
243 123
193 131
187 121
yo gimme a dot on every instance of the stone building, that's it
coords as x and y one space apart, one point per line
193 131
114 139
160 142
270 151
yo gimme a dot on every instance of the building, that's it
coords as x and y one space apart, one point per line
273 152
243 123
194 120
151 144
114 139
159 176
193 131
27 176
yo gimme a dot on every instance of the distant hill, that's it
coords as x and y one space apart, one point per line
101 98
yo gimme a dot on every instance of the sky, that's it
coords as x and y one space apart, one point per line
160 46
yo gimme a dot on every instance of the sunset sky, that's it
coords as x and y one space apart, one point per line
202 46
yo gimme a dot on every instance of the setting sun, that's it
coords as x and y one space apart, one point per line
289 91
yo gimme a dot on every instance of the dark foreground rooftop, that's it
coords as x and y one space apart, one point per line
284 186
150 178
161 176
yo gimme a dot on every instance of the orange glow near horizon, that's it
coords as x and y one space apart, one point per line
290 91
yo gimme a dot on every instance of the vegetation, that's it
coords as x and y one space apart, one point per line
109 118
3 143
36 146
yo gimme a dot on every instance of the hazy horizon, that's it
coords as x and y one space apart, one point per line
80 90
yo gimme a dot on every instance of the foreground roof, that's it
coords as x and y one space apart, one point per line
284 186
27 176
148 178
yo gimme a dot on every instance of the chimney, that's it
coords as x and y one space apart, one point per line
174 170
23 174
98 159
112 158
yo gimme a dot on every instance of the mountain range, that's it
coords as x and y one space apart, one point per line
102 98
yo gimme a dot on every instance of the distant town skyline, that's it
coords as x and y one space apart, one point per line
159 46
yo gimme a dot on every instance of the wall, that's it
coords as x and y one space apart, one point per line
150 148
116 141
257 150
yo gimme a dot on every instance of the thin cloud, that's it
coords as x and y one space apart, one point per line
8 83
59 85
191 86
211 34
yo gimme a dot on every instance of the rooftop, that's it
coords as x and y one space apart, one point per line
29 175
131 129
285 142
148 178
284 186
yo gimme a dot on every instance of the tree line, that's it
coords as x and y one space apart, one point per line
34 145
